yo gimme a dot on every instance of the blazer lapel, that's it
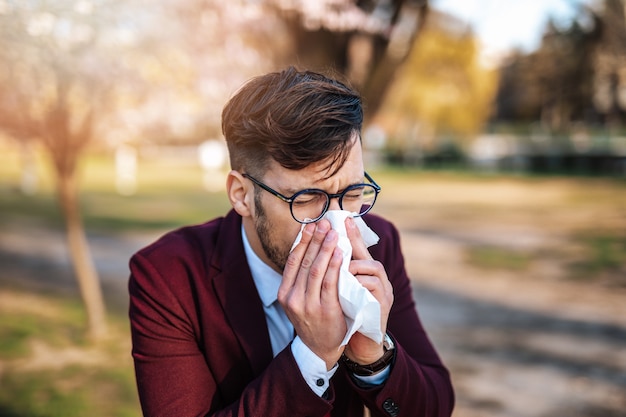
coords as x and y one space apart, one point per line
238 295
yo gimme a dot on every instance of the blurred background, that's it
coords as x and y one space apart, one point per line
497 131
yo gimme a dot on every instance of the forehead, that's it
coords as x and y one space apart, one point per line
316 175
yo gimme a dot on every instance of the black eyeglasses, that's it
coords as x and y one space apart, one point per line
310 205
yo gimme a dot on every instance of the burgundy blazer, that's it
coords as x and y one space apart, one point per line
201 345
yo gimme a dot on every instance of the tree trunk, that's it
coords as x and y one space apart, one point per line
82 260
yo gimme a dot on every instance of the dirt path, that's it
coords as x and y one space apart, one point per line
520 348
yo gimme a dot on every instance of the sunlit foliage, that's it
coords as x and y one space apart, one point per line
443 88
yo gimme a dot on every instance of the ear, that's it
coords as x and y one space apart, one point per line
240 193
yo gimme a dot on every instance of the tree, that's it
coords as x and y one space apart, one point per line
609 62
575 76
227 42
552 84
78 73
441 89
366 40
55 88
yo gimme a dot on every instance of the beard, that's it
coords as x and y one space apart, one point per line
263 226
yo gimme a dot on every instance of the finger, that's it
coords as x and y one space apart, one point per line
371 283
359 250
382 291
330 290
292 266
372 275
312 251
320 266
367 267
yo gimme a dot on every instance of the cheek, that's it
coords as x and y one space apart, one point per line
281 231
281 226
283 239
286 234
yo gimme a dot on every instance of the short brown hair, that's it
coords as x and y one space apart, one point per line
293 117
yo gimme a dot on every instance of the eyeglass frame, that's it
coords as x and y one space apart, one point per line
330 196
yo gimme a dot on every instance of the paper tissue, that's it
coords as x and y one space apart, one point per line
361 310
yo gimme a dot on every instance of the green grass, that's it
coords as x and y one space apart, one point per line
168 195
600 253
17 330
62 389
603 252
102 211
45 394
148 210
491 257
74 391
57 322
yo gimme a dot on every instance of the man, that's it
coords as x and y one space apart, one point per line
214 308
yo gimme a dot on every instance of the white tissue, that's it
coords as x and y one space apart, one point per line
361 310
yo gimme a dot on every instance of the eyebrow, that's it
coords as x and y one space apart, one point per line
291 191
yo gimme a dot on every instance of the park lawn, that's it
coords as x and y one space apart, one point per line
168 195
588 212
48 369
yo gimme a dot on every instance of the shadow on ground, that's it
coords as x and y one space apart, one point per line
507 361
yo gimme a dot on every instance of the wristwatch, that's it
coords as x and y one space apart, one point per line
375 367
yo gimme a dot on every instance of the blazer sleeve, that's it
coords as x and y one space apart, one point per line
165 352
173 376
419 384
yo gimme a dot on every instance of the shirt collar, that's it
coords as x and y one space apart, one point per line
266 279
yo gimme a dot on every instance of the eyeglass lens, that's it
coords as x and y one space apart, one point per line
309 205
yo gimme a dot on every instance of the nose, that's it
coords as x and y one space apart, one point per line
334 204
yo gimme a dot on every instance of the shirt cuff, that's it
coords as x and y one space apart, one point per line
376 379
312 367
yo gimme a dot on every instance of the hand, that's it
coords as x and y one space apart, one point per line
371 274
308 292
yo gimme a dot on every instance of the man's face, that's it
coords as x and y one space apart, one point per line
274 226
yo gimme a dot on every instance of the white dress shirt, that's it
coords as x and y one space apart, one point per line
267 281
281 332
